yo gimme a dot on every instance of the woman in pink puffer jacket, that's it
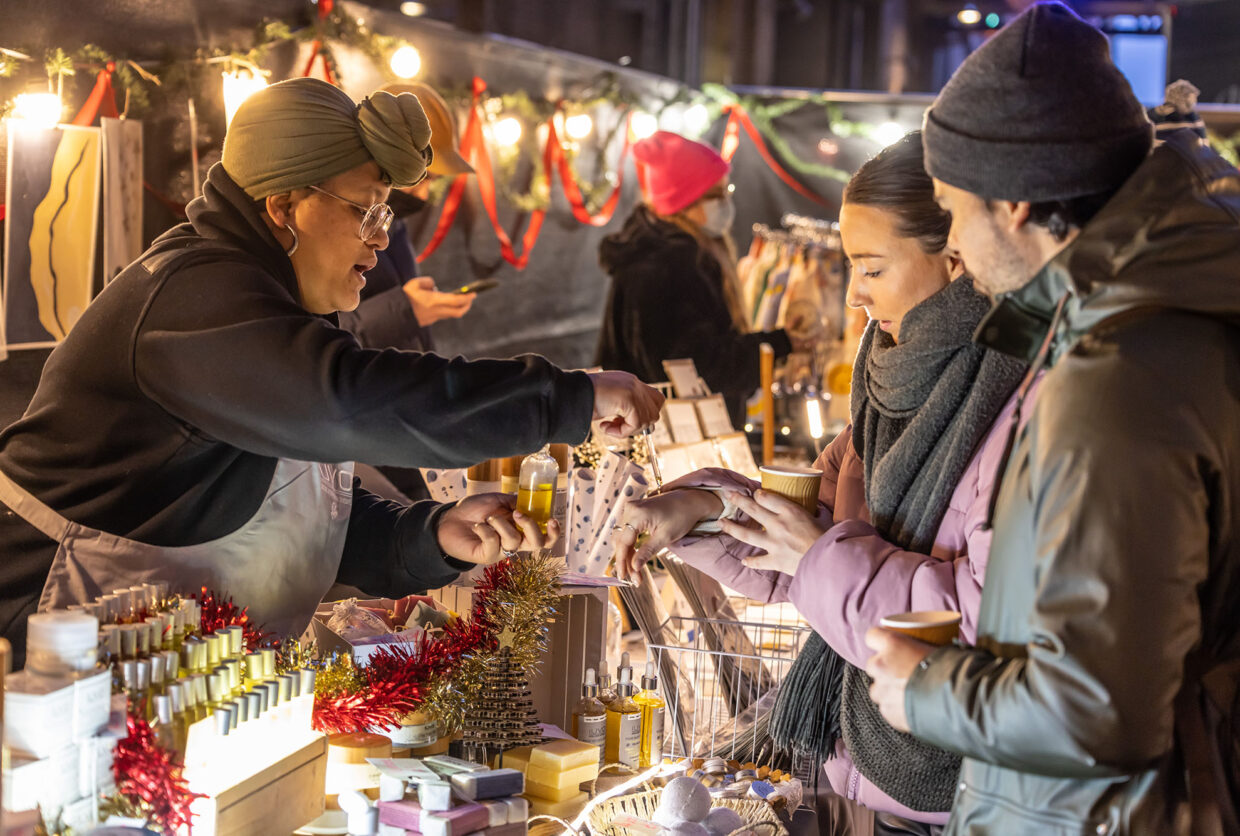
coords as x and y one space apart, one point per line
905 491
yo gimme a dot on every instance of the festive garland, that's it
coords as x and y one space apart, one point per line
513 603
219 612
150 784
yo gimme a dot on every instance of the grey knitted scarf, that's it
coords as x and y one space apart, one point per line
920 408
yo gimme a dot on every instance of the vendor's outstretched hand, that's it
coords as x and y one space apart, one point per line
480 528
658 521
787 530
623 403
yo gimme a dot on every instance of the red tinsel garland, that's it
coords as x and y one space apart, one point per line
219 612
397 678
395 681
149 776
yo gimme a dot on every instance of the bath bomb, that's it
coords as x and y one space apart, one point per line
685 828
721 821
684 800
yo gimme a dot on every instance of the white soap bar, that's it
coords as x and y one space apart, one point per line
518 809
435 795
390 788
498 812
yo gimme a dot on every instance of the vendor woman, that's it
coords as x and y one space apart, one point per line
198 424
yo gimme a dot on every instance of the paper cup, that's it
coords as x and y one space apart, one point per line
933 626
800 484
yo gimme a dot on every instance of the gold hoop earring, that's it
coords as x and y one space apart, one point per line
296 241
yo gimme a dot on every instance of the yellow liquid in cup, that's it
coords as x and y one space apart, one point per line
536 503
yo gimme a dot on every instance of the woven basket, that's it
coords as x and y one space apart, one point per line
643 805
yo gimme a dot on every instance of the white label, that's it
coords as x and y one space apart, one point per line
630 738
592 728
655 732
419 734
92 703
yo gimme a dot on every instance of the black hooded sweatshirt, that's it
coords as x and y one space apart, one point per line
160 418
666 303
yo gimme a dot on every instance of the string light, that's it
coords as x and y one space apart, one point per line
643 124
39 110
508 131
578 126
969 15
405 62
413 9
813 412
887 133
239 85
696 120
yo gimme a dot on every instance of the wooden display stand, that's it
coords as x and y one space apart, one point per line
277 799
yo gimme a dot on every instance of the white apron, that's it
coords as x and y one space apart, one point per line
279 564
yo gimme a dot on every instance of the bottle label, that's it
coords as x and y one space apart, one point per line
630 738
592 728
655 739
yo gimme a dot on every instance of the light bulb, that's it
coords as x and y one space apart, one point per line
578 126
507 131
696 119
813 412
888 133
969 16
239 85
40 110
643 124
405 62
413 9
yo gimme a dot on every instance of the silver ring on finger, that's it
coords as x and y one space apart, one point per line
508 553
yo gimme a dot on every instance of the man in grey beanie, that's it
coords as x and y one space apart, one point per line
1101 696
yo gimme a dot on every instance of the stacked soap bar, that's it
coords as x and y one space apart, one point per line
554 773
454 798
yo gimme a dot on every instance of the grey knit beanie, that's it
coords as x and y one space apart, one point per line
1038 113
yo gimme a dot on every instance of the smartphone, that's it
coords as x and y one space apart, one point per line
478 286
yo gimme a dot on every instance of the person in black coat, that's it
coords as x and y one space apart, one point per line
198 424
674 289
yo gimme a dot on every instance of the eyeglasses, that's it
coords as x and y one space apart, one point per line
375 218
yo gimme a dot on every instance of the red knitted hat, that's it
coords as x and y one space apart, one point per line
676 171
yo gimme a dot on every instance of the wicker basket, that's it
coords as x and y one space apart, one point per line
643 805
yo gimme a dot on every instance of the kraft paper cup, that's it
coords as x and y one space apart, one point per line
800 484
937 627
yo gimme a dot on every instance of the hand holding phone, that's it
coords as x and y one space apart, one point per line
478 286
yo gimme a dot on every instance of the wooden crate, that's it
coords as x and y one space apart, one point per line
275 800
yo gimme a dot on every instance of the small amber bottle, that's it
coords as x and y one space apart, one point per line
624 725
590 715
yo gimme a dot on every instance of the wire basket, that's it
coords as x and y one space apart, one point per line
757 814
727 675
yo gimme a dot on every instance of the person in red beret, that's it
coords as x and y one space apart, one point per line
674 289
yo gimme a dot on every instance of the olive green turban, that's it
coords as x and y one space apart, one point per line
303 131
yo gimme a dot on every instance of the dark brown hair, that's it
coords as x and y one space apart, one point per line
896 180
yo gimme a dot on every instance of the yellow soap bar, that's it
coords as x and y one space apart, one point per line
568 808
518 758
555 778
563 754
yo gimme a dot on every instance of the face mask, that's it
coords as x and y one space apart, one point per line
720 213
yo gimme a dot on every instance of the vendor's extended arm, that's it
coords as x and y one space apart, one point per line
393 550
274 380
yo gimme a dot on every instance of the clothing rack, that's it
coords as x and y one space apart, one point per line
813 230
